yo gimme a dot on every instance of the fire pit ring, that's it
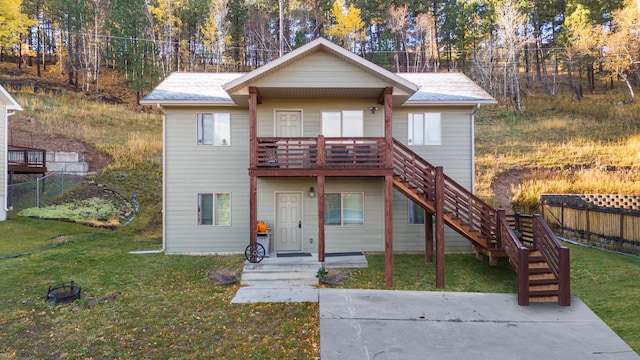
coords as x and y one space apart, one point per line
63 293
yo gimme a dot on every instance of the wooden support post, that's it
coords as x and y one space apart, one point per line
388 230
253 209
253 128
428 238
564 278
321 243
439 227
253 161
523 277
388 126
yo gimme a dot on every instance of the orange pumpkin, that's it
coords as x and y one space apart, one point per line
261 226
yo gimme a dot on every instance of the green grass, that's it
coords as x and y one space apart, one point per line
157 306
148 306
608 284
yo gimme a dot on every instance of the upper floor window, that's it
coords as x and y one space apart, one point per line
347 123
425 129
214 129
214 209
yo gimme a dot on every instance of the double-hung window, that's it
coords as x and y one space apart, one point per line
214 209
347 123
416 213
344 209
214 129
425 129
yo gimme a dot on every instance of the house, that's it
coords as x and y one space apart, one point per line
326 147
7 105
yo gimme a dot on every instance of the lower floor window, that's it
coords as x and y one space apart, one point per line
416 213
214 209
344 209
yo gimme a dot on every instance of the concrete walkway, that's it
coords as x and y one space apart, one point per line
382 324
388 324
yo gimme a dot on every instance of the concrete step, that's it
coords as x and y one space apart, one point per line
273 278
291 266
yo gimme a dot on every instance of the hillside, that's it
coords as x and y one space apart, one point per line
557 144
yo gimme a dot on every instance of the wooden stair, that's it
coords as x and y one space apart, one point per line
450 219
542 277
543 285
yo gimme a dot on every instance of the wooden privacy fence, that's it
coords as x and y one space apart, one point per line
608 221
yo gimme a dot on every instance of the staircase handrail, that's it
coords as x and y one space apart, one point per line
459 202
518 257
556 255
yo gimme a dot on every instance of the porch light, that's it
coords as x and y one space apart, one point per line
373 109
312 192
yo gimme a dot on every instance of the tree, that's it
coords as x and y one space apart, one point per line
237 17
622 56
13 24
213 32
399 25
511 21
347 27
132 53
585 40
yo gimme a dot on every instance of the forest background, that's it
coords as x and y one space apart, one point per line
506 46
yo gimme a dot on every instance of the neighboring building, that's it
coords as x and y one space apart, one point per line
306 144
7 105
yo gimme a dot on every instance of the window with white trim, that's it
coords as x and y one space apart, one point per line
347 123
416 213
214 209
214 129
425 129
344 209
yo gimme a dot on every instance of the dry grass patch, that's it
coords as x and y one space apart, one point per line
596 139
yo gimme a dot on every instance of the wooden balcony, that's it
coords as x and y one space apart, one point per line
26 160
312 156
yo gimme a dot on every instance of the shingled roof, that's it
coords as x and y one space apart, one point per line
217 88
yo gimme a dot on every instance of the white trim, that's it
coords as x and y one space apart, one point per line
10 102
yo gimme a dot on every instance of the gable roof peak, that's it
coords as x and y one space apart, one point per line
322 44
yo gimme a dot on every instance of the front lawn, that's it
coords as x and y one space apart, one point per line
159 306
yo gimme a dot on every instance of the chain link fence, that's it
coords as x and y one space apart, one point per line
42 191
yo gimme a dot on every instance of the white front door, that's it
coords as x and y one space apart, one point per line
288 123
288 236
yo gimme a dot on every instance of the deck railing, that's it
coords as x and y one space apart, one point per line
459 202
518 256
320 152
33 158
556 255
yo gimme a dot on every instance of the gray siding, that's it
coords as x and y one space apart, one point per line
191 169
369 237
454 154
312 114
320 70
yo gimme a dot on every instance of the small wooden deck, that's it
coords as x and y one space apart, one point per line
23 160
313 156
